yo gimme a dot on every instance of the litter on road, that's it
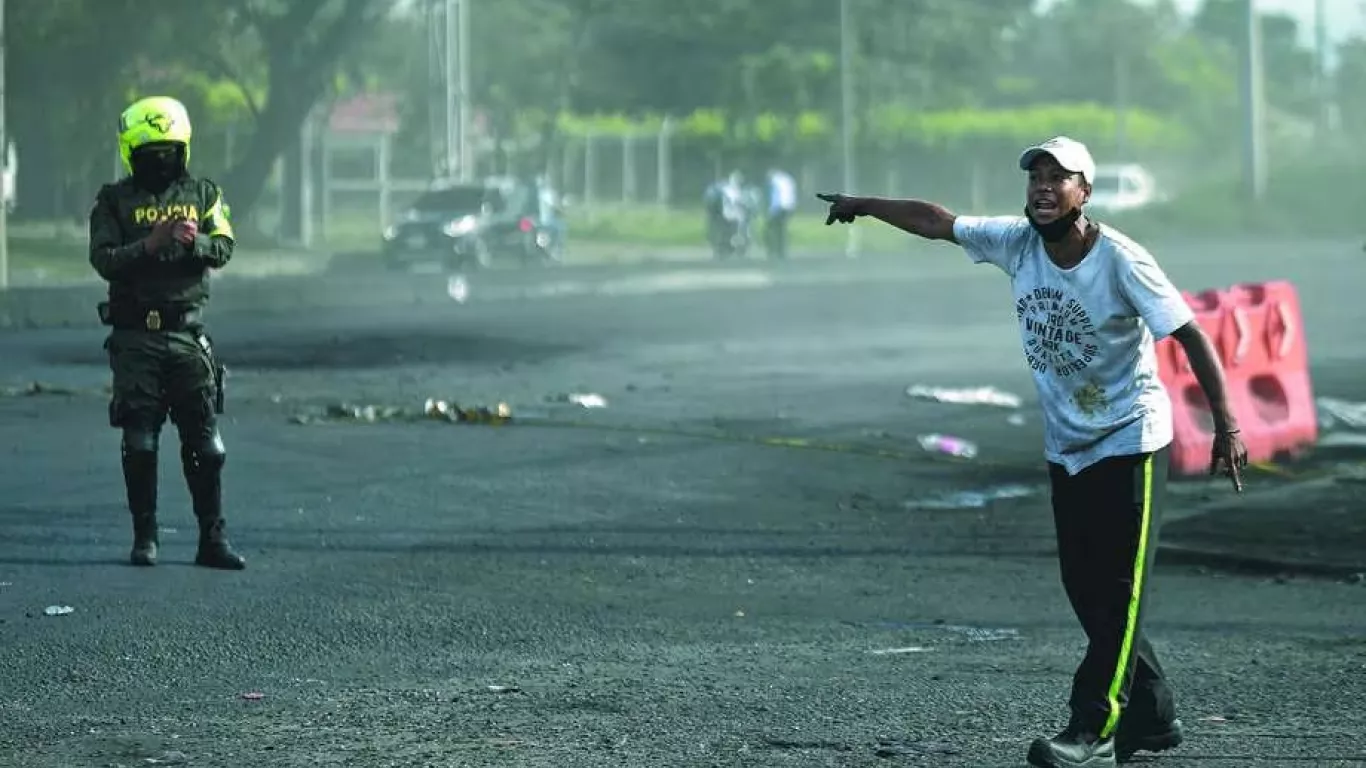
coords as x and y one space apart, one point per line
1342 423
973 634
1335 413
948 445
899 651
432 409
584 399
989 396
35 388
972 499
58 610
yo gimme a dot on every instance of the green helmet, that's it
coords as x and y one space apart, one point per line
153 120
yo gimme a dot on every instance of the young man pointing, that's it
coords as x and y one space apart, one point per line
1091 304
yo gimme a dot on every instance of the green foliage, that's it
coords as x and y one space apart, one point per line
895 126
733 77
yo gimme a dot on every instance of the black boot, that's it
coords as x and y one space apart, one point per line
1073 748
140 482
203 473
1135 737
214 551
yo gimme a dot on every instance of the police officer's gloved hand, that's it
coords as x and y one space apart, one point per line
160 239
185 231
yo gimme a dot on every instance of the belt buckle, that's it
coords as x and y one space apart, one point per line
153 320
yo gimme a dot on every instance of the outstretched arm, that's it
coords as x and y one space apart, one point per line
918 217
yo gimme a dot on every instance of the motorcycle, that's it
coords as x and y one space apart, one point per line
541 244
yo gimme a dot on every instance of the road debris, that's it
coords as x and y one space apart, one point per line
168 758
1335 413
35 388
982 634
367 413
948 445
444 411
989 396
971 499
253 696
58 610
504 689
583 399
973 634
431 410
1342 423
899 651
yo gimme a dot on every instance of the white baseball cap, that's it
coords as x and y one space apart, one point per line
1071 154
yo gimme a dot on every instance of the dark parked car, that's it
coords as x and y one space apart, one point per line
469 225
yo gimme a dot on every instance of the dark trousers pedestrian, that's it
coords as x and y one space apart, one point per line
1107 518
775 234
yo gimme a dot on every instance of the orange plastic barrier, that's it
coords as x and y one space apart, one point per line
1259 336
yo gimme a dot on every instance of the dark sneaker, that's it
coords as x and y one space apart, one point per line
144 552
1073 749
1146 737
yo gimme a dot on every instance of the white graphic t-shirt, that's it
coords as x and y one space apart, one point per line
1088 335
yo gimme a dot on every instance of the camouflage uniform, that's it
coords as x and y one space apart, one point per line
162 360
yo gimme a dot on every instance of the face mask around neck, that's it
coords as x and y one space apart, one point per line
1054 231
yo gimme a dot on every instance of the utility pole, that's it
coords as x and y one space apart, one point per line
451 54
1254 141
454 162
1121 105
436 81
847 110
466 112
4 152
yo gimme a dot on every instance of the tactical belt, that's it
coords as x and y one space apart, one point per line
127 318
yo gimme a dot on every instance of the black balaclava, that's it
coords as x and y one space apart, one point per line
157 166
1055 230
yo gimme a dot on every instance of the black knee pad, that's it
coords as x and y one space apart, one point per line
138 440
206 454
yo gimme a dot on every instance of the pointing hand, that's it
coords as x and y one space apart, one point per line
843 208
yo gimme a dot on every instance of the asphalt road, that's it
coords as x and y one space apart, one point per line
673 580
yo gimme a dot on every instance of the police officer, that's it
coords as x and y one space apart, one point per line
154 236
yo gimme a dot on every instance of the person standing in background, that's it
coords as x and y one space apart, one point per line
782 201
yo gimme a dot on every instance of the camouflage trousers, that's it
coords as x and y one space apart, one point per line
165 373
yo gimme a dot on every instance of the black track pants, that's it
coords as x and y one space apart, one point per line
1107 519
